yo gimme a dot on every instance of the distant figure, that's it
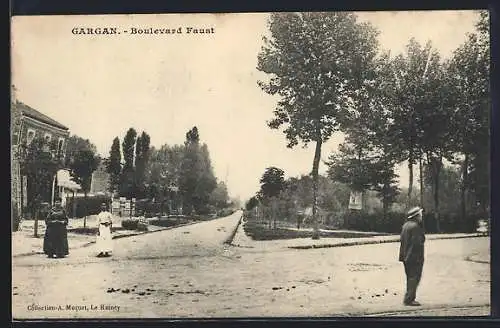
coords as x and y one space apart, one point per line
104 241
411 253
55 241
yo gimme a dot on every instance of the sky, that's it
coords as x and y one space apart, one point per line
101 85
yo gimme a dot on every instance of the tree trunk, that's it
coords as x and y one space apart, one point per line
37 214
74 205
410 178
436 171
86 210
274 213
463 191
317 157
385 206
421 182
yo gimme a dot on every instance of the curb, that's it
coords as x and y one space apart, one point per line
371 242
114 237
229 240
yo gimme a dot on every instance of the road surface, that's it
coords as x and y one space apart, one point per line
188 272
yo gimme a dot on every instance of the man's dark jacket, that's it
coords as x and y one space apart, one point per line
412 242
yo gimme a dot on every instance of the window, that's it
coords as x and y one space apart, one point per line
30 136
47 137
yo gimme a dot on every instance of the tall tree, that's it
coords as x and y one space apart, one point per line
190 170
40 166
317 63
252 203
114 166
410 85
75 145
207 181
469 81
128 171
141 158
272 184
219 196
82 166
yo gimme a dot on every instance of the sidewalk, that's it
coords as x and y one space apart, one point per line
242 240
25 244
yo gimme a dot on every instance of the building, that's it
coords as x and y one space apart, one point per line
27 124
100 179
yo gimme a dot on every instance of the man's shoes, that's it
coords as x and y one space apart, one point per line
412 303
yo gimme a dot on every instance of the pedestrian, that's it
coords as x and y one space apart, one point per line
104 240
55 241
411 253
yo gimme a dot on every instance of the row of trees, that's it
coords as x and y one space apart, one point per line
180 175
127 176
40 160
416 107
286 200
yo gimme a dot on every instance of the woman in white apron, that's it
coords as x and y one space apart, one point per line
104 242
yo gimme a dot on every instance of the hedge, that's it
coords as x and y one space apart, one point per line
375 222
392 223
86 206
130 224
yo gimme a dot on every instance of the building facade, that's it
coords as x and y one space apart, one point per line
26 125
100 179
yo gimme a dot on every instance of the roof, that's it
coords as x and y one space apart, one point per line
33 113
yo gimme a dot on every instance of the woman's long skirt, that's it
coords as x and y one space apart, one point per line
55 241
104 240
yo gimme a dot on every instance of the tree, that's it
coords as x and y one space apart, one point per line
15 136
272 183
219 196
162 173
469 84
127 179
82 166
75 145
252 203
353 166
190 170
207 182
317 63
141 158
114 166
40 166
196 178
410 89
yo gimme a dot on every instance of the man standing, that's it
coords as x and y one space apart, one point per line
411 253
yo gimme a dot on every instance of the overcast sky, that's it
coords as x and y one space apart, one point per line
99 86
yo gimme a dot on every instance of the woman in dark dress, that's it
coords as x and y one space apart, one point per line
56 235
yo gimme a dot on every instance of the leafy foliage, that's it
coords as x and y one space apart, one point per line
318 64
114 166
127 179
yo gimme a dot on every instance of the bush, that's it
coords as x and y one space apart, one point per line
169 222
451 223
392 223
86 206
16 218
225 212
130 224
91 231
375 222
